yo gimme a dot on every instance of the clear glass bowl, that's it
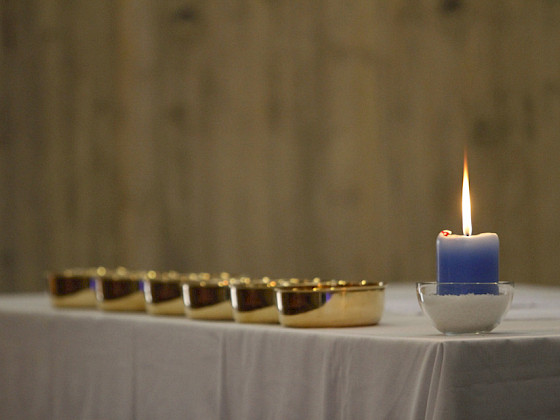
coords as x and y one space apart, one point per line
465 308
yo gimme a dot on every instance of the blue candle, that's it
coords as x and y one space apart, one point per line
467 258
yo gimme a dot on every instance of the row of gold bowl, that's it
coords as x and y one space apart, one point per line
290 302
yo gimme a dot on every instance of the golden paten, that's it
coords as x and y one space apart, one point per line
73 288
207 296
334 303
163 293
253 300
119 290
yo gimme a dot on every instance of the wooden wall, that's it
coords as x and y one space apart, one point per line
276 137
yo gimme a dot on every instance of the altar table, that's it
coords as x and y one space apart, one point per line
87 364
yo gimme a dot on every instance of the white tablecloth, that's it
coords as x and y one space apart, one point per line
86 364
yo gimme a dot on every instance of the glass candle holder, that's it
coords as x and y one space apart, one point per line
479 311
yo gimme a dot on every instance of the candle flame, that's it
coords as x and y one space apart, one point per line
467 223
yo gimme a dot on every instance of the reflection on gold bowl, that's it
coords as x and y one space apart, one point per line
335 303
73 288
207 296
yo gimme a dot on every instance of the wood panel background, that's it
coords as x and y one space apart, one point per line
276 137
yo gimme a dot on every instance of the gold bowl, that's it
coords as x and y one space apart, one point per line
253 300
162 293
119 290
335 303
72 288
207 296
